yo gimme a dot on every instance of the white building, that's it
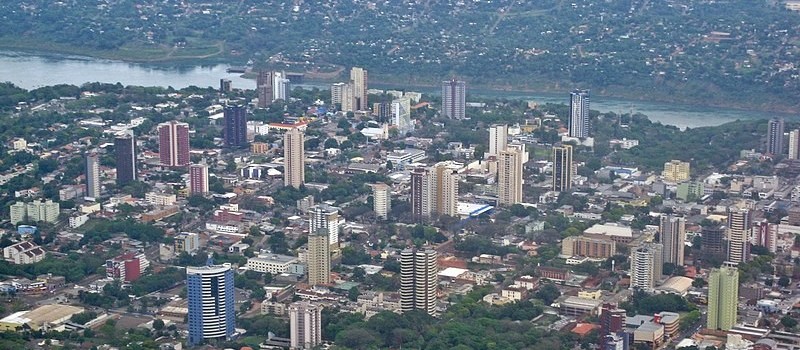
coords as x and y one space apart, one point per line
25 252
272 263
154 198
305 324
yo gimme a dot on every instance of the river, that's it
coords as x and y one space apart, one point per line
30 71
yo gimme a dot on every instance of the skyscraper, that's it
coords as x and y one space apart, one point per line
766 235
498 139
612 319
579 113
775 137
454 99
125 154
442 191
418 192
562 168
401 115
210 294
673 235
509 184
712 242
305 325
293 158
264 86
235 133
198 179
358 77
173 144
280 87
646 266
382 200
326 218
319 258
418 272
739 226
723 298
92 176
794 144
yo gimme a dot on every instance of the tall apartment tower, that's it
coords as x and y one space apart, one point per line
264 83
418 272
612 319
125 155
562 168
358 77
212 311
401 115
739 226
498 139
319 258
235 132
173 144
579 114
775 137
280 87
646 266
305 325
324 217
442 191
713 240
454 99
673 235
294 171
418 192
723 298
92 176
198 179
676 171
794 144
382 200
509 169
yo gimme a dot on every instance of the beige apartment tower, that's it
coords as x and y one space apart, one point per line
509 182
358 77
293 158
444 190
676 171
382 200
740 223
418 279
562 168
319 258
305 325
646 266
673 235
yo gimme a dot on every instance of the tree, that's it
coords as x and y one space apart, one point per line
158 324
353 294
783 281
548 293
788 321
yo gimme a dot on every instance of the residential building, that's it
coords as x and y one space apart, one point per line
272 263
293 158
305 325
418 192
454 99
775 137
212 309
401 115
723 298
319 258
562 168
646 266
509 184
590 247
612 319
173 144
690 191
382 200
188 242
794 144
739 226
498 139
25 252
235 131
155 198
418 280
125 156
264 86
673 237
34 211
93 176
198 179
344 94
676 171
713 240
359 77
765 234
225 85
443 191
127 267
280 87
579 114
326 218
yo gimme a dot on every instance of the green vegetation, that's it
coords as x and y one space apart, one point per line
643 304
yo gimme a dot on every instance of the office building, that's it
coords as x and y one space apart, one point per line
723 298
676 171
305 325
358 77
125 157
498 139
92 176
326 218
509 182
590 247
739 226
198 179
794 144
713 240
319 258
212 310
562 168
454 99
173 144
401 115
264 83
294 158
775 137
579 114
235 132
646 266
418 279
382 200
673 236
280 87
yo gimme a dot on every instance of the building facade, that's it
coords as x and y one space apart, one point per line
579 114
676 171
173 144
562 168
794 144
775 137
739 226
359 78
305 325
325 218
509 169
713 240
212 311
93 176
418 280
382 200
454 99
723 298
646 266
125 155
264 83
673 237
319 258
235 131
294 158
198 179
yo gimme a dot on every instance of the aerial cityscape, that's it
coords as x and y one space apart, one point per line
343 186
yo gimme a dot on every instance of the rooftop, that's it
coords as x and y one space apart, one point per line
610 230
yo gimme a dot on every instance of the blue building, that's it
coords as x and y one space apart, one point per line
211 303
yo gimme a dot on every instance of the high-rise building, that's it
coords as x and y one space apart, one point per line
225 85
280 87
775 137
344 94
713 238
125 155
418 279
92 176
509 184
382 200
794 144
646 266
723 298
673 235
319 258
401 115
198 179
212 311
612 319
765 234
264 83
676 171
418 192
173 144
358 77
739 226
294 171
326 218
454 99
34 211
579 114
442 190
235 133
498 139
562 168
382 110
305 324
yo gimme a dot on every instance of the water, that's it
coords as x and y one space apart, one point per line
30 71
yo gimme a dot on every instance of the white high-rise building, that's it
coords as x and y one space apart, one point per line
673 235
280 86
579 114
646 266
454 99
382 200
305 323
401 115
509 182
498 139
794 144
359 78
418 280
92 176
294 171
739 228
325 217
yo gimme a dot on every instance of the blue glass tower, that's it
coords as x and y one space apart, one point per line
211 303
